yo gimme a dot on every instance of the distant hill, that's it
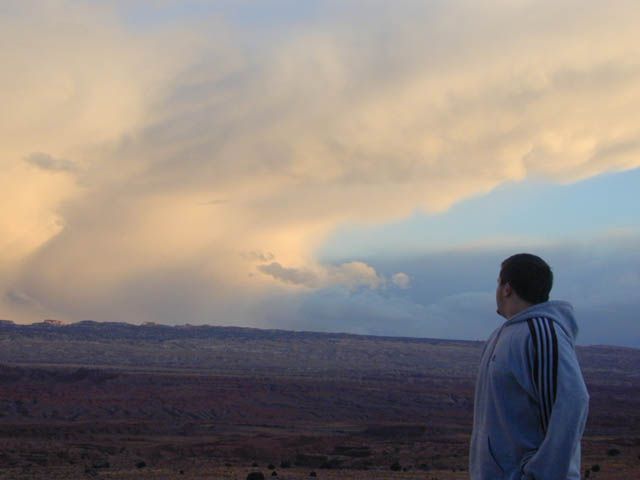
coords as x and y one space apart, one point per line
89 329
230 349
238 350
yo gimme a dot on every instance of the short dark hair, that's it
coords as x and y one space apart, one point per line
529 276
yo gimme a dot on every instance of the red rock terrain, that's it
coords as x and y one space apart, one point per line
121 401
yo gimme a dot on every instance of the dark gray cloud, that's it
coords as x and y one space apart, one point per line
383 312
452 294
601 278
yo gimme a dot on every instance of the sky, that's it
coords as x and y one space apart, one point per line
353 166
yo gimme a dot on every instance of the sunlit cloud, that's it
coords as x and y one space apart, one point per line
196 152
401 280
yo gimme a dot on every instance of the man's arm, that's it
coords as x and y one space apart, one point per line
563 401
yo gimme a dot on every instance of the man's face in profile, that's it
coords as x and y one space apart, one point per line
500 297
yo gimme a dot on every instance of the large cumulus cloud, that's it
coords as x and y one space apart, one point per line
195 166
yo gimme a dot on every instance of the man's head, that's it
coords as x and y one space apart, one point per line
524 280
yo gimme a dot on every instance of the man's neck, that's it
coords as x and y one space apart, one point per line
516 308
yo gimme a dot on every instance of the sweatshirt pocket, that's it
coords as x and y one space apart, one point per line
523 462
493 467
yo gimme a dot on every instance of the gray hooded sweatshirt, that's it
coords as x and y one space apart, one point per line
531 401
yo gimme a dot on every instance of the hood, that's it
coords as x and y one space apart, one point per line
558 311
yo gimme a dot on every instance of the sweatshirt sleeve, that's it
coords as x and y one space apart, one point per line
562 397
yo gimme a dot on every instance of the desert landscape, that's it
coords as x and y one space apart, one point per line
411 172
114 400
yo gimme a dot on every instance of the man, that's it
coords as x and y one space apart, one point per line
531 401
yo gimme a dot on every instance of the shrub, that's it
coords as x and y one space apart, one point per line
90 472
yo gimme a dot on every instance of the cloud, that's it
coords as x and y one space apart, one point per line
370 312
47 162
307 126
290 275
381 312
599 276
401 280
257 256
76 83
19 298
354 275
350 274
452 294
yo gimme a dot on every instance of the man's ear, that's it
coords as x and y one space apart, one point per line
507 290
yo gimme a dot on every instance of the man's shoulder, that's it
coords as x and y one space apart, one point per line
535 327
520 331
528 334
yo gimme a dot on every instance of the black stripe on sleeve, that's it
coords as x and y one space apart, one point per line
545 367
549 365
542 397
554 339
534 339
